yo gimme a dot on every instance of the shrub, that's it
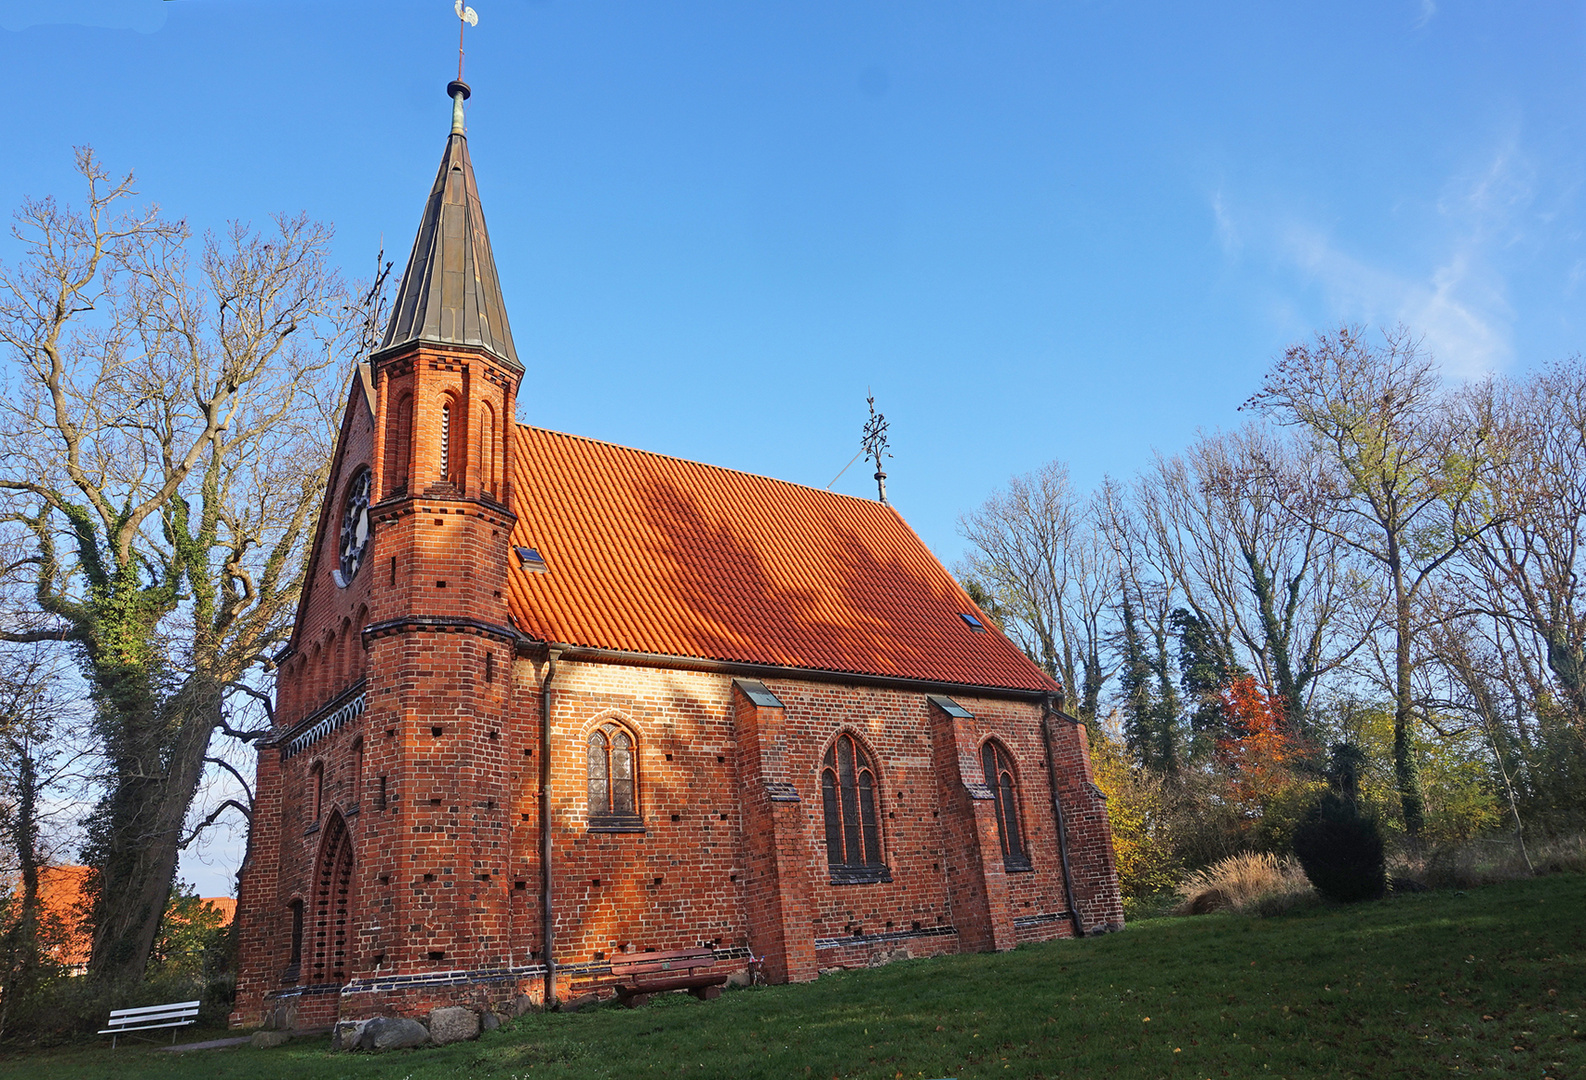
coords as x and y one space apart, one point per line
1341 850
1139 807
1259 882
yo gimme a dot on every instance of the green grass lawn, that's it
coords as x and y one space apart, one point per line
1492 982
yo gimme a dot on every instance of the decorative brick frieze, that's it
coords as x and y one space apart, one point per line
341 712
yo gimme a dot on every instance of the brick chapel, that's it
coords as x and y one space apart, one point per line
550 700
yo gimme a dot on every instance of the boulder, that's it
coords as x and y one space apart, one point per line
453 1023
521 1004
346 1034
490 1021
393 1033
740 979
265 1040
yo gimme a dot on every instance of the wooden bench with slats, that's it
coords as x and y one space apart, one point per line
148 1018
639 975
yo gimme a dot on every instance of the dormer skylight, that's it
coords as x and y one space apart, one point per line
973 623
531 560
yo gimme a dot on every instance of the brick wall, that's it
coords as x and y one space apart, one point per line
408 740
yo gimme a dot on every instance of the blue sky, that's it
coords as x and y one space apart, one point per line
1036 230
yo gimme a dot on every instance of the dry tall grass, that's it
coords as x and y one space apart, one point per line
1260 883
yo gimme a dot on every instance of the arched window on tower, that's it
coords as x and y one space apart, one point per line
998 766
853 823
488 483
446 439
454 440
613 780
399 446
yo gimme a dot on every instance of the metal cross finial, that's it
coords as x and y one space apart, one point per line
466 17
875 443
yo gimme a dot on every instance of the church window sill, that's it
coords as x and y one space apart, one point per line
312 829
616 823
860 875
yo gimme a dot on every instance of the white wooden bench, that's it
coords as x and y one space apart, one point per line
125 1021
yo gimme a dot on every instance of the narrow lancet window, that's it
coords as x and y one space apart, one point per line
998 767
853 825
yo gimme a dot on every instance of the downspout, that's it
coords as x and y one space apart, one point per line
1057 812
548 921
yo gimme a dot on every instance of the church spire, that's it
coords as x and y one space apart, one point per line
450 293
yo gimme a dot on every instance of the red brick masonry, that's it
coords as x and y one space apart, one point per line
733 626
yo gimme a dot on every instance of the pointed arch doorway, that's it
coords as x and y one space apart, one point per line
332 906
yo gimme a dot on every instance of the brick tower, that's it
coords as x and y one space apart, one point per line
439 647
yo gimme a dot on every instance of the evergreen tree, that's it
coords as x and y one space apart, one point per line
1206 667
1150 708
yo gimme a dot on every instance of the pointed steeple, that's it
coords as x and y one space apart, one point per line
450 293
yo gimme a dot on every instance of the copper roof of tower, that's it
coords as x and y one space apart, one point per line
450 292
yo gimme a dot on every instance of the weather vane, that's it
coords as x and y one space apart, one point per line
466 17
875 444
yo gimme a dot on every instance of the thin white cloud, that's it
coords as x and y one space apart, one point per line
1428 9
1458 304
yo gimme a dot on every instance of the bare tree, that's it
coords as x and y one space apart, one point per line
167 444
1399 474
1142 637
1227 522
1528 566
1480 669
1040 557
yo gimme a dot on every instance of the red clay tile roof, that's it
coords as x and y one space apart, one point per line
226 905
658 555
61 897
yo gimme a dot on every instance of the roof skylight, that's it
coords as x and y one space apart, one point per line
973 623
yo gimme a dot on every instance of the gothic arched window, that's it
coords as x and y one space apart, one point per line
399 446
853 826
998 765
613 786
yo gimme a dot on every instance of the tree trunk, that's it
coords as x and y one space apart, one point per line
145 823
1405 774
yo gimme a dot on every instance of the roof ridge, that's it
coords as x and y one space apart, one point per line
710 465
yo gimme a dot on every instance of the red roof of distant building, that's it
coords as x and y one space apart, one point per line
226 905
654 554
61 896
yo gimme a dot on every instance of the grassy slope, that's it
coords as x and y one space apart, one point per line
1418 986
